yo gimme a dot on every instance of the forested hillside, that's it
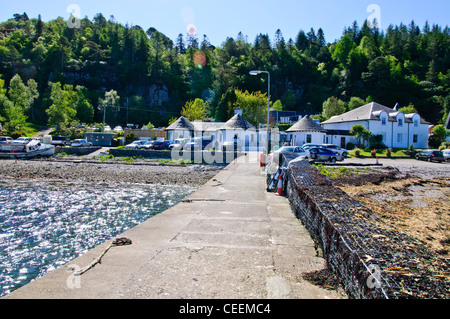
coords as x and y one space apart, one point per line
51 72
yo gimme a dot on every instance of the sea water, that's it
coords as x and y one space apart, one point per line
45 224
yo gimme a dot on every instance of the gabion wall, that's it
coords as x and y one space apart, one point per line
371 258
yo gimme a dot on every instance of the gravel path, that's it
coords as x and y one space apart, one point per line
192 175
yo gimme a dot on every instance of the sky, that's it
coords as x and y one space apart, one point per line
222 19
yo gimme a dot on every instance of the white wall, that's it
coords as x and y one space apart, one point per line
390 130
300 138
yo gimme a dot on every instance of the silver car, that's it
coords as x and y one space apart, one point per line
293 150
342 152
6 140
446 154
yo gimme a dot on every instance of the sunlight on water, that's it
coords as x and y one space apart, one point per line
44 225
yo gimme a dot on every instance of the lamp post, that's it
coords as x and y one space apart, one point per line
268 106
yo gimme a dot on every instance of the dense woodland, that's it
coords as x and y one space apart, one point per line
57 71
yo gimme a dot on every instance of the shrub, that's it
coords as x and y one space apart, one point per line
358 152
350 146
389 152
16 134
373 152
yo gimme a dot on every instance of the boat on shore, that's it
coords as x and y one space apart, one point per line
34 148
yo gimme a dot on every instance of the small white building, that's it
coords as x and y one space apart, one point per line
306 131
399 130
181 128
237 129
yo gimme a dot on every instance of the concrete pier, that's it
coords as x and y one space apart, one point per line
231 239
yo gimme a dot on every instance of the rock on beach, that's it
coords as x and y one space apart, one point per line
190 175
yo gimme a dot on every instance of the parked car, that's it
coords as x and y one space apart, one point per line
231 146
446 154
178 143
118 129
309 146
22 140
335 148
81 143
199 144
158 145
324 155
6 140
430 155
294 150
60 140
167 144
134 145
148 145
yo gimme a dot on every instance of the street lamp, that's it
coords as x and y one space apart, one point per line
268 106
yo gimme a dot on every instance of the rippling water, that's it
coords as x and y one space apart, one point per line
44 225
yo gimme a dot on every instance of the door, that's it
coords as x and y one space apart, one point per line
343 142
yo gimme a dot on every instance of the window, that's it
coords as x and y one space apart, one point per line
416 123
399 137
415 138
383 121
308 138
400 122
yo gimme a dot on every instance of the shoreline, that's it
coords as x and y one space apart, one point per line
112 172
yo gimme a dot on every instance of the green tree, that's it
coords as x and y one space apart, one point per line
333 106
62 111
360 133
110 107
194 110
138 111
18 93
253 105
278 105
84 108
355 102
441 133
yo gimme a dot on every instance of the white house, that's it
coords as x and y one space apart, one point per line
237 129
306 131
399 130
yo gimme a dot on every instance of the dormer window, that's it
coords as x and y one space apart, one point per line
400 122
383 121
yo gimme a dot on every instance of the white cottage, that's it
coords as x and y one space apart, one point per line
181 128
237 129
399 130
306 131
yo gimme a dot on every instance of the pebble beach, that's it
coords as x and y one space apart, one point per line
97 172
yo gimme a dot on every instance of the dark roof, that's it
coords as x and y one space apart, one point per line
181 124
237 122
306 124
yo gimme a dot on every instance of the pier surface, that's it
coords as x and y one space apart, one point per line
230 239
